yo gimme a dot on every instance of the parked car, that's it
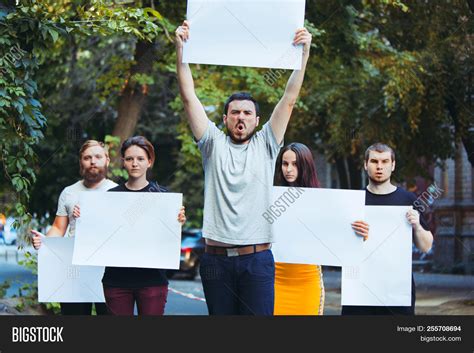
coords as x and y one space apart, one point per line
8 234
192 247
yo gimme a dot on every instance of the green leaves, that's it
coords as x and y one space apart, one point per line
153 12
385 72
53 34
20 183
45 28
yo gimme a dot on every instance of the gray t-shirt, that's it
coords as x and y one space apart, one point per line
70 197
238 180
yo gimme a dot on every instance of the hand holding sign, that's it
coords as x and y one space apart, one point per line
37 236
303 37
182 34
245 33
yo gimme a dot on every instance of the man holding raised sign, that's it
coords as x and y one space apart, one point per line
238 269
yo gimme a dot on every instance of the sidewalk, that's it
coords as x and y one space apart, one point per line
436 294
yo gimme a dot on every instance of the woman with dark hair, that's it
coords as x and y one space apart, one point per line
299 288
124 286
147 287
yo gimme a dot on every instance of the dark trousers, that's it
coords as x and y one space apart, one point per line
150 300
82 308
239 285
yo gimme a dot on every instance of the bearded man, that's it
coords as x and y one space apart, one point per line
93 163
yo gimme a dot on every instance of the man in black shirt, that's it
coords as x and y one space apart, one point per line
379 165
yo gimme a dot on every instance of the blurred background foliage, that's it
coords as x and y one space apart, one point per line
392 71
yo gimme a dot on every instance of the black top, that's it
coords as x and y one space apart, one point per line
132 277
151 187
399 197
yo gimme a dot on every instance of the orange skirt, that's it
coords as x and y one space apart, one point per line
299 289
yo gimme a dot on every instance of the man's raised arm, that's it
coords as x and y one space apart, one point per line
197 117
282 112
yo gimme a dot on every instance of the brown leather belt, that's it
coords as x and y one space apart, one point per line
244 250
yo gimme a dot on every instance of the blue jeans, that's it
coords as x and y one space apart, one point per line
239 285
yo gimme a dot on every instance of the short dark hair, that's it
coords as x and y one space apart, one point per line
241 96
141 142
379 147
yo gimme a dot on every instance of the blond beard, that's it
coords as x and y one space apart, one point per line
96 177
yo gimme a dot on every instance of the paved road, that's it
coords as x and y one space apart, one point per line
185 297
11 271
437 294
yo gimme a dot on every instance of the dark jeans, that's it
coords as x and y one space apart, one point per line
239 285
83 308
150 300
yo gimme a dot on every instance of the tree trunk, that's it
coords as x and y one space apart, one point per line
463 130
355 177
468 143
342 173
134 94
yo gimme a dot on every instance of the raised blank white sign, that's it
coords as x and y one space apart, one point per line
254 33
383 277
61 281
129 229
316 227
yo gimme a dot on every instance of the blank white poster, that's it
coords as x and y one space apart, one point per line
129 229
61 281
313 225
383 277
252 33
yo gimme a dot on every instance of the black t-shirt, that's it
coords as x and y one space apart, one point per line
132 277
399 197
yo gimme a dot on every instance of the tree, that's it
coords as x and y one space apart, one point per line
369 80
378 71
31 34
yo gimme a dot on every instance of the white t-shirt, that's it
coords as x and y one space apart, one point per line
70 197
238 181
